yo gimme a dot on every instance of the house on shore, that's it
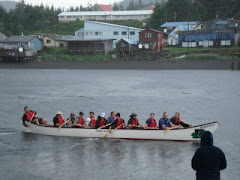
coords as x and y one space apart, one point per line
168 27
2 38
104 15
125 47
54 40
215 33
100 30
28 42
151 39
90 46
173 36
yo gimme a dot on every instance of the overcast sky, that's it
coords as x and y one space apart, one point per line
68 3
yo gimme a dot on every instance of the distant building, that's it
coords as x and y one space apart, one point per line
151 39
173 36
100 30
104 15
2 37
170 26
28 42
222 24
90 46
102 7
215 33
150 6
56 40
125 46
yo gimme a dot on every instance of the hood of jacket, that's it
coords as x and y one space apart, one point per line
207 138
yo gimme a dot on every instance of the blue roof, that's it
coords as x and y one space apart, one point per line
129 41
175 24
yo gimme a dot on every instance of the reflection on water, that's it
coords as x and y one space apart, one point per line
200 96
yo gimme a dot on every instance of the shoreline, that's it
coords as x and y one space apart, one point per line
123 64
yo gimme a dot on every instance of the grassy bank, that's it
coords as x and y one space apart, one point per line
206 57
61 53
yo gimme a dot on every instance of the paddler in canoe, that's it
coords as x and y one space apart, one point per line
151 122
30 116
176 120
133 122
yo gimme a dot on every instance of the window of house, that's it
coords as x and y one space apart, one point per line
100 33
96 33
124 32
87 33
148 35
210 43
115 33
228 42
132 32
48 41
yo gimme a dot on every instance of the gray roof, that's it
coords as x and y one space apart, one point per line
129 41
2 37
20 38
175 24
8 5
60 37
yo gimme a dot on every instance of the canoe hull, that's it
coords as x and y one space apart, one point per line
186 134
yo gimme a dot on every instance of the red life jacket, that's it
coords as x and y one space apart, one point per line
101 123
60 120
134 122
176 120
29 115
153 123
119 122
80 121
92 122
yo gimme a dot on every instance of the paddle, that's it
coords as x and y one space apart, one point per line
112 131
104 126
59 127
166 130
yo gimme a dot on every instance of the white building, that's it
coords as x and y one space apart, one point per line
173 36
100 30
104 15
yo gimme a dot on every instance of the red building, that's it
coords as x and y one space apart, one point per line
151 39
102 7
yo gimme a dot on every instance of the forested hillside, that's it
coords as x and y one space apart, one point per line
30 19
197 10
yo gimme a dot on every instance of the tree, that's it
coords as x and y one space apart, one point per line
158 17
116 7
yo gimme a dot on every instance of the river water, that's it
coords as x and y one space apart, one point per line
200 96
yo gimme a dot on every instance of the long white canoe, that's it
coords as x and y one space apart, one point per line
184 134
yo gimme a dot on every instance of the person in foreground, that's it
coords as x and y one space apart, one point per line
31 116
151 122
79 122
58 120
208 160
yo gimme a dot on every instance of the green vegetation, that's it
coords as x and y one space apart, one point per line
61 53
206 57
68 57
